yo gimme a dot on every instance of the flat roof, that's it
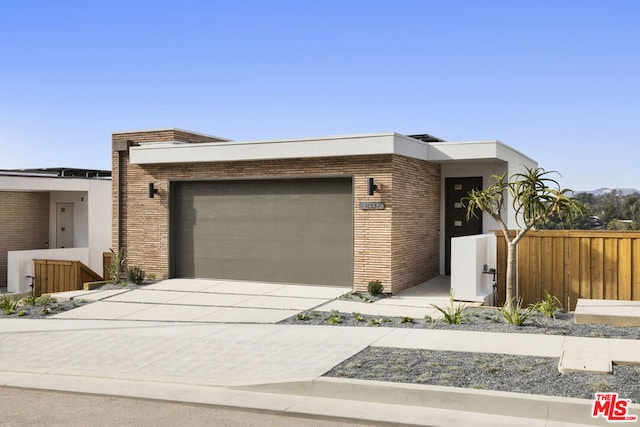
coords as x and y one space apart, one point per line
60 172
328 146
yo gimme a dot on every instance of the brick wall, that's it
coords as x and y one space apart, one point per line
399 255
416 222
162 135
24 224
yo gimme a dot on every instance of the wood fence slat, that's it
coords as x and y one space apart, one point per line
597 268
585 268
559 266
624 269
574 275
610 269
501 261
635 270
546 257
525 278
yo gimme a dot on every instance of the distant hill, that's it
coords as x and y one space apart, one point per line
605 190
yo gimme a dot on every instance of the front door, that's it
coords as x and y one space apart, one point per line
64 225
456 223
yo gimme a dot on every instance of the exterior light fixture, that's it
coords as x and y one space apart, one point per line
152 191
372 187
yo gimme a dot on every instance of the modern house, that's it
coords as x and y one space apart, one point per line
336 210
53 213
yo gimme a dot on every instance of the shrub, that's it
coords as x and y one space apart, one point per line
302 316
452 313
406 319
375 288
135 275
357 317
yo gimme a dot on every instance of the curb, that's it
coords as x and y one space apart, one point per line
518 405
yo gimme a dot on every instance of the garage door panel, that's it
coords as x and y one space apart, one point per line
295 231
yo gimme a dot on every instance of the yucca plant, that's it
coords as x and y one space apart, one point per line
8 304
549 305
514 313
117 264
452 313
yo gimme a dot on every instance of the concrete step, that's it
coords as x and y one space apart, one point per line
607 312
585 361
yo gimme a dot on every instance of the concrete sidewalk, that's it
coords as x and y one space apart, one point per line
273 367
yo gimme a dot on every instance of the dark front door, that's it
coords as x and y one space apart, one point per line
456 223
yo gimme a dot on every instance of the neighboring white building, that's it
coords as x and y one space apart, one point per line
55 213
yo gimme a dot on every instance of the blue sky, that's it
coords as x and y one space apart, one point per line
557 80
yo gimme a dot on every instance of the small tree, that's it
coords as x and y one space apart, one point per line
536 198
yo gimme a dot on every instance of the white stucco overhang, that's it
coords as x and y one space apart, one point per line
332 146
11 182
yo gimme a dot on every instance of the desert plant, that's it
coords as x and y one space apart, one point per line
302 316
334 320
30 299
452 313
45 301
8 304
135 275
549 305
535 198
375 322
375 288
515 314
117 264
406 319
151 277
22 313
357 317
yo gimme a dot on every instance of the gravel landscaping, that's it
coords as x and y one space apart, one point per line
29 308
521 374
474 319
45 308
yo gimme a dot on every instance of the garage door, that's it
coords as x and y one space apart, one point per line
276 230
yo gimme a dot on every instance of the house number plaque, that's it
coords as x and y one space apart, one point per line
371 206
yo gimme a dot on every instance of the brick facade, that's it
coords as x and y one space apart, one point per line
397 245
24 224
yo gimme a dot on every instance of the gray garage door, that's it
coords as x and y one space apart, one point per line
276 230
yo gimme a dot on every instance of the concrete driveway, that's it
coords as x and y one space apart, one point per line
196 300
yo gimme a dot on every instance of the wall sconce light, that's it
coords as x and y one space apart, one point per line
372 187
152 191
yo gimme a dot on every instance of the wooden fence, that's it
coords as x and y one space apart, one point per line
106 265
572 264
61 276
